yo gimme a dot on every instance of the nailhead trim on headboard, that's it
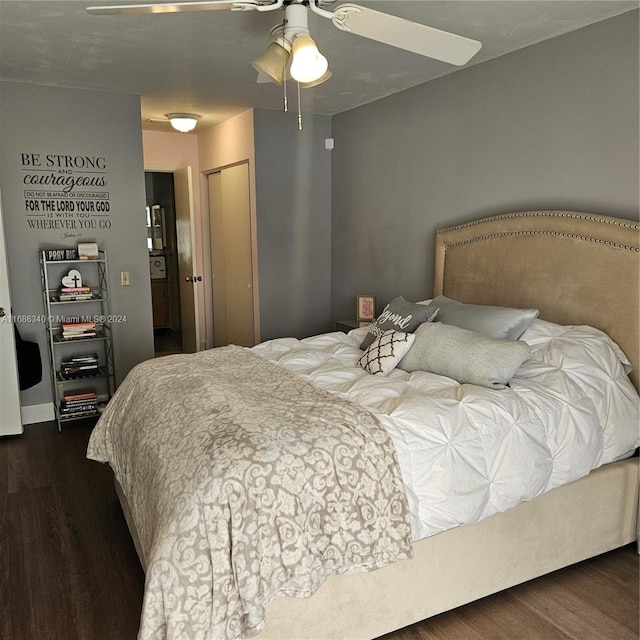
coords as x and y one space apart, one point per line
552 214
536 233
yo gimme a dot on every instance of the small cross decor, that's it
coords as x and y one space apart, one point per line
73 279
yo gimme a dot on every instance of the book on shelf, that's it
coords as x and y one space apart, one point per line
72 330
76 336
79 394
75 289
77 325
72 294
74 373
78 411
86 411
82 400
85 358
79 402
78 406
73 404
72 322
79 366
74 297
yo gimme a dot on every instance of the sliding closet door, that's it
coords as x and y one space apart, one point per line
231 256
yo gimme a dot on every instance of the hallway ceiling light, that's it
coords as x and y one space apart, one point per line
183 122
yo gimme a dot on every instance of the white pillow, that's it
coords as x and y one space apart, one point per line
384 353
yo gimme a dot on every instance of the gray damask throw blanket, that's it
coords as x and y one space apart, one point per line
245 482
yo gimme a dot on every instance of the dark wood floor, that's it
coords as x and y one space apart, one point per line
69 569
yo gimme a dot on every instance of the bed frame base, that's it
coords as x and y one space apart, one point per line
575 522
569 524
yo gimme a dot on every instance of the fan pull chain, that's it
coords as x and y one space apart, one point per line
299 108
285 99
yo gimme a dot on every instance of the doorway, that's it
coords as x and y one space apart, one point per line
163 262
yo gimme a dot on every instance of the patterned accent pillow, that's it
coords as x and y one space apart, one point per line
384 353
399 315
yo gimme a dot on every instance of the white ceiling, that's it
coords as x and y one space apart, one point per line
200 61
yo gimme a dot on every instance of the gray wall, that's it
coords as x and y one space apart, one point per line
293 203
49 121
553 126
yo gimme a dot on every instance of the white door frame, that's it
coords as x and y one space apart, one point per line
10 413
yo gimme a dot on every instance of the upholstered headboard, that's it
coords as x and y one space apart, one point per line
577 268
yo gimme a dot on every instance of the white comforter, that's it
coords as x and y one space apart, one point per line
467 452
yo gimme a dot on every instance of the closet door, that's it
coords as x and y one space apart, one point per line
231 256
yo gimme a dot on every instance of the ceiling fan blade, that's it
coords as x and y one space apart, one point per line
173 7
405 34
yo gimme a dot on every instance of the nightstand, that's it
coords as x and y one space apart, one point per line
345 325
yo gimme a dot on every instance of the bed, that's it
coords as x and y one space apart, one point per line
577 269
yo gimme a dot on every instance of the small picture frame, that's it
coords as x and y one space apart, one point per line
365 309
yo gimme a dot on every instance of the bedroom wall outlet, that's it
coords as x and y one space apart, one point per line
329 144
125 280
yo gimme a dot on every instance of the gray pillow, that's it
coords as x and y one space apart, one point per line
465 356
399 315
494 322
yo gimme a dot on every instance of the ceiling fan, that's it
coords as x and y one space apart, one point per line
291 52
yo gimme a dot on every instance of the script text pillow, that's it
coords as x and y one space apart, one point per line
466 356
494 322
384 353
399 315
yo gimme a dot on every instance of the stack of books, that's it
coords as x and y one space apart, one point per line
81 366
81 402
70 294
72 330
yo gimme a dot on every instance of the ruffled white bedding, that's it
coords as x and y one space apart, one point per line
467 452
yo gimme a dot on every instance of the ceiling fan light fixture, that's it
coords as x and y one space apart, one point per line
183 122
307 63
272 62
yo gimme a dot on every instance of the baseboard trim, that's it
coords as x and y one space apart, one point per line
34 413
